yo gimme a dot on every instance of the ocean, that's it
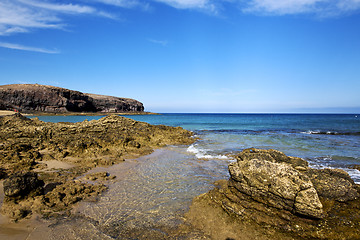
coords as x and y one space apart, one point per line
324 140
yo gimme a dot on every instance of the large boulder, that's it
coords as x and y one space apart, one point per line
276 184
274 194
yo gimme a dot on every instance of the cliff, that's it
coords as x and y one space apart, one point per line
42 98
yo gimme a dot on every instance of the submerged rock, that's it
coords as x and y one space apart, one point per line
277 194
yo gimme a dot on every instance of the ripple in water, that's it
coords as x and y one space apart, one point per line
148 199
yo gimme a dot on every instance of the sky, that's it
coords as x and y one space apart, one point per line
240 56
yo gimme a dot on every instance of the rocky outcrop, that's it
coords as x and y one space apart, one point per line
282 195
27 144
41 98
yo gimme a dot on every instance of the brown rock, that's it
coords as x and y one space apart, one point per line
276 184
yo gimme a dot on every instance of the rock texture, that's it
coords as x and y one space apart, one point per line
26 144
20 185
282 195
41 98
277 185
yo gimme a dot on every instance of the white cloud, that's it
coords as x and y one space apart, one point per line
26 48
19 16
65 8
16 18
23 16
286 7
206 5
120 3
161 42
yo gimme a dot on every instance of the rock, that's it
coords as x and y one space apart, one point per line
276 184
101 176
25 145
334 184
276 194
24 142
3 173
272 156
42 98
64 195
22 184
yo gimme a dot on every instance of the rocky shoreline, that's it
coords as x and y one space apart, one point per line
28 145
279 197
268 196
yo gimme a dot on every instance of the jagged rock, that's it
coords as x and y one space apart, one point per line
22 184
42 98
276 184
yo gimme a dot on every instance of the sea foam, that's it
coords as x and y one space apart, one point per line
203 153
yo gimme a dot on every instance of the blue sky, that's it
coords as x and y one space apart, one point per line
190 55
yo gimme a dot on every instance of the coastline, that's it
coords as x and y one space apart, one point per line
135 187
7 113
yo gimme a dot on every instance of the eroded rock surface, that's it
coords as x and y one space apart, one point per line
282 195
276 184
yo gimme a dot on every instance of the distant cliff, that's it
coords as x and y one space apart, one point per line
42 98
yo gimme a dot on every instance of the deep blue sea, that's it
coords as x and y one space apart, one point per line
325 140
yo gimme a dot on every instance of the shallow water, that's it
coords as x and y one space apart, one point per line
147 199
324 140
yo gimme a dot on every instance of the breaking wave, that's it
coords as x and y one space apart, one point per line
204 154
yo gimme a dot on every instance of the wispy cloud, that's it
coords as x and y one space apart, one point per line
121 3
161 42
65 8
226 92
324 8
206 5
24 16
19 16
26 48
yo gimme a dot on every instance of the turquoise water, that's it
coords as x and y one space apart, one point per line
325 140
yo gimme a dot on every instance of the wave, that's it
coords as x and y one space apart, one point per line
204 154
276 131
331 133
354 173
